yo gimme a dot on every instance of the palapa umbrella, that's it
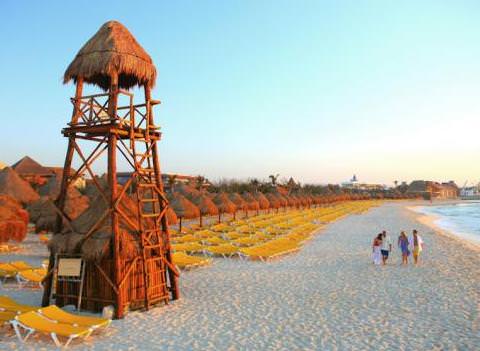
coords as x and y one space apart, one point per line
263 202
13 185
224 205
183 208
292 200
239 202
171 216
188 191
273 200
282 199
206 206
13 220
253 204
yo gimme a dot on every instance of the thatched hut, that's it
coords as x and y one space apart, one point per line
113 50
43 212
13 220
262 200
239 202
13 185
253 204
184 208
205 206
224 205
274 202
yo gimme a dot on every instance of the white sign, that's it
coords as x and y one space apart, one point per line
69 267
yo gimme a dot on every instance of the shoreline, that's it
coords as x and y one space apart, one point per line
430 220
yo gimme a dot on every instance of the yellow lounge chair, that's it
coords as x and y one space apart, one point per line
21 265
223 250
184 261
55 313
33 322
34 276
6 316
9 304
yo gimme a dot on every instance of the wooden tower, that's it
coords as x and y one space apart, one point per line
128 229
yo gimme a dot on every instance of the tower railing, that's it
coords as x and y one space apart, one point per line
92 111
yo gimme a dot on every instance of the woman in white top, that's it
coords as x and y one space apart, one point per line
416 243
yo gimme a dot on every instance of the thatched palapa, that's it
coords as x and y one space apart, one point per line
12 184
112 50
183 208
205 206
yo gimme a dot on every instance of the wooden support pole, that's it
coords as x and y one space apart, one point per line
168 253
60 202
112 183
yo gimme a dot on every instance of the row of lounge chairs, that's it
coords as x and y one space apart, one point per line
261 237
24 273
52 320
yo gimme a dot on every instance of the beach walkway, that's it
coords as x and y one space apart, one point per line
326 297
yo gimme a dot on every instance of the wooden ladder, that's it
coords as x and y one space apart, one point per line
150 214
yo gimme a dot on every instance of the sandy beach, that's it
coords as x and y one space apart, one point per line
328 296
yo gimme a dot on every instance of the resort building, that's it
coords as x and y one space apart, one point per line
36 174
433 190
169 178
354 184
31 171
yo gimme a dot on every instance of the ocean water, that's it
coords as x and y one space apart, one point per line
461 219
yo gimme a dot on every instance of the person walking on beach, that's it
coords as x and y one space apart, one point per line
403 245
376 249
386 247
416 243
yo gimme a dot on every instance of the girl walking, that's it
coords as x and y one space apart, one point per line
403 245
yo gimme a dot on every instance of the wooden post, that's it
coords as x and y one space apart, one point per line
60 202
171 274
112 183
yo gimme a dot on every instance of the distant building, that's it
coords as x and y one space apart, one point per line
123 177
31 171
36 174
471 192
433 190
354 184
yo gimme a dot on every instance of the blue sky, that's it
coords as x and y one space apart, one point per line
317 90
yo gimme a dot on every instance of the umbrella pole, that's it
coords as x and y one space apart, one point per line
201 221
180 226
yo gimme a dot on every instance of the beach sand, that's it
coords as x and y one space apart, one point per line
328 296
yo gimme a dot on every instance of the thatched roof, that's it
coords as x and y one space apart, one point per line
44 215
12 184
171 216
224 204
97 246
283 201
262 200
187 191
28 166
205 205
238 201
183 207
273 200
113 49
253 204
13 220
